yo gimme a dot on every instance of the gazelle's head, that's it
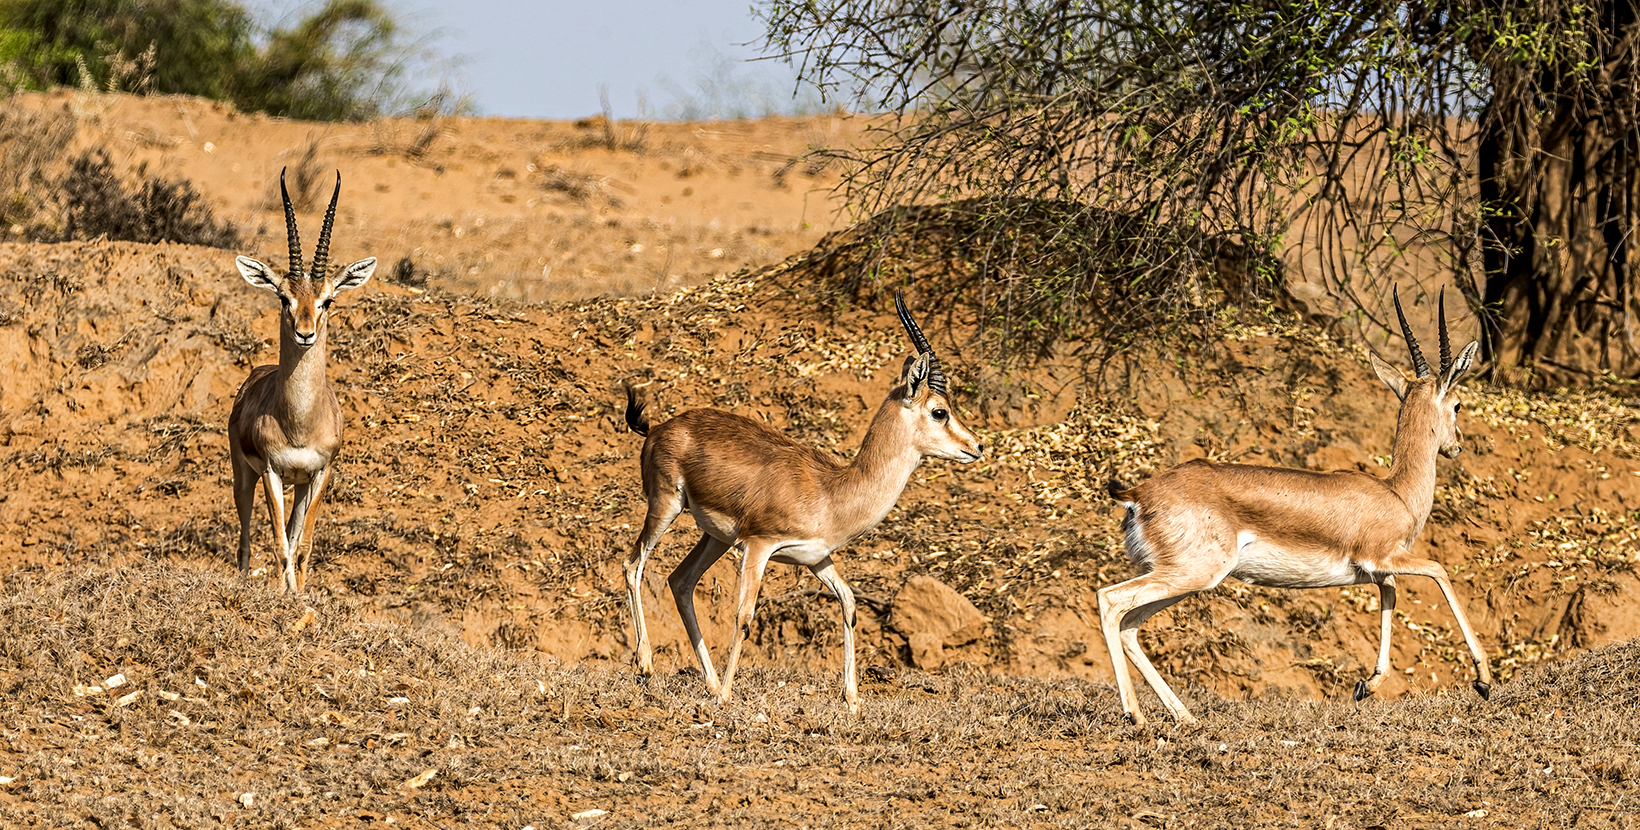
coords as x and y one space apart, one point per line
306 295
927 409
1430 400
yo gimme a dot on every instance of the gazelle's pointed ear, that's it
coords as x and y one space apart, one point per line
1461 366
1390 375
258 274
356 274
916 377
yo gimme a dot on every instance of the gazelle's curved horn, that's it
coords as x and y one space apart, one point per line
321 253
936 377
1419 365
1446 345
290 227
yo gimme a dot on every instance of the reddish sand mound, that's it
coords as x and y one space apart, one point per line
489 486
530 210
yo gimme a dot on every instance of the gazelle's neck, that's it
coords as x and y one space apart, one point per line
1412 471
868 487
302 379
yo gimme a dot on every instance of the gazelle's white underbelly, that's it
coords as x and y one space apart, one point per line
1264 563
806 552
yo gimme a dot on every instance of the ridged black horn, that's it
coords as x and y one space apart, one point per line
936 377
290 227
1419 365
321 253
1446 345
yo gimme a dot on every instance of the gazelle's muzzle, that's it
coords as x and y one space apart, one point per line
304 329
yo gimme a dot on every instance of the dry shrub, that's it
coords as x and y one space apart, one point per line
1040 272
407 272
580 188
31 142
95 202
411 135
307 179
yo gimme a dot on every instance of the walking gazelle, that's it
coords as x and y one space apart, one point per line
1192 525
774 499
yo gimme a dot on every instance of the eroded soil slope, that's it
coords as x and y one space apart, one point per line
489 487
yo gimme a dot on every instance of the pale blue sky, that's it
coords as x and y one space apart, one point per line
547 59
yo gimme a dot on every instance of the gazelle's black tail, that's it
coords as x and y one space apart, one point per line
637 400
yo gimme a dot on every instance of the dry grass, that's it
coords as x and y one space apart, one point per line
239 708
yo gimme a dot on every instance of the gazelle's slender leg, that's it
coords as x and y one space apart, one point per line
1436 571
1115 603
304 512
755 561
274 490
683 580
1386 613
1130 644
826 571
244 502
663 508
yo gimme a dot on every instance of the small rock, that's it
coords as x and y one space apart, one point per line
928 606
927 651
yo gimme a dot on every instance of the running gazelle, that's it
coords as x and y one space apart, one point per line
1192 525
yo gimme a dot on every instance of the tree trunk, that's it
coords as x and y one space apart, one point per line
1560 185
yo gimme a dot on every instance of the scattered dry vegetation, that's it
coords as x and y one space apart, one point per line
165 696
47 196
488 485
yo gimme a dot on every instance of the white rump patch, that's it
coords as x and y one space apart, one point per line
297 459
1139 551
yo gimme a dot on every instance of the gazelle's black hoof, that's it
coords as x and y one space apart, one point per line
1484 690
1362 691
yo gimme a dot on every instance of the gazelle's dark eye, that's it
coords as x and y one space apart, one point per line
1457 407
940 414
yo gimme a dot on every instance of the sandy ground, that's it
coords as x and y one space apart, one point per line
513 209
489 489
